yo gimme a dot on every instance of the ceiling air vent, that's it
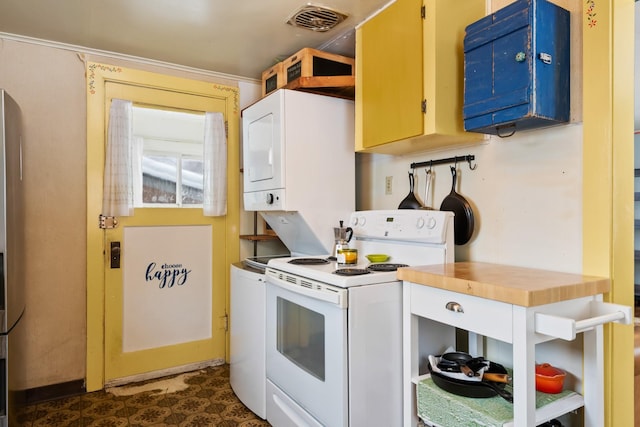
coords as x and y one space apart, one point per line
316 18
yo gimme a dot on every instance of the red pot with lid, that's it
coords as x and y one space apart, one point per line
549 379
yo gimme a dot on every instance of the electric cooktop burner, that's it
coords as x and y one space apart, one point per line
308 261
386 267
351 271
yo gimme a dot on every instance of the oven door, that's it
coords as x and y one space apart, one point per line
307 351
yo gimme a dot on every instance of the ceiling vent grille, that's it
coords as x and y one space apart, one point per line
316 18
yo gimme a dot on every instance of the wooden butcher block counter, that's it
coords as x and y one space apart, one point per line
521 286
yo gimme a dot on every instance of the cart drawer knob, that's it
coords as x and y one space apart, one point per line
454 306
520 57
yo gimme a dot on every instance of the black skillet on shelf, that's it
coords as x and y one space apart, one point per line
457 361
479 389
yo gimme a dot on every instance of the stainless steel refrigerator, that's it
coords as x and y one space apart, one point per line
12 305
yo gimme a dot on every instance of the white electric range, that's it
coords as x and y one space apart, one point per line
334 332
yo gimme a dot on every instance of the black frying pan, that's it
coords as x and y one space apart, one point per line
463 222
461 362
410 202
473 388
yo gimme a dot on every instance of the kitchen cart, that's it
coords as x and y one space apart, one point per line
519 306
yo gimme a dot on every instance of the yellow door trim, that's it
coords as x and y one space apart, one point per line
608 64
97 77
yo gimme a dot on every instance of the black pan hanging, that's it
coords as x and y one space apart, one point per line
463 222
410 202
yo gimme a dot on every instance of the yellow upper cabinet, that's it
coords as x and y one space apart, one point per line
410 76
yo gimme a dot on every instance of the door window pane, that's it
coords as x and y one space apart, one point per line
192 181
300 337
168 158
159 177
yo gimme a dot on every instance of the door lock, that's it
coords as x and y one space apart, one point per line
115 254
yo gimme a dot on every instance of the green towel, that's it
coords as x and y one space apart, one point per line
450 410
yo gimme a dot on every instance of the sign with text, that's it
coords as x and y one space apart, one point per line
166 286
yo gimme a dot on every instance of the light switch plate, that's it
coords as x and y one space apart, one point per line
388 185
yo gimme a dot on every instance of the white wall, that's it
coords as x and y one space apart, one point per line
526 194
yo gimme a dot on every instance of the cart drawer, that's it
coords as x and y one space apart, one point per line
474 314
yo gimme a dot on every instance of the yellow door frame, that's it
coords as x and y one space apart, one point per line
608 204
97 77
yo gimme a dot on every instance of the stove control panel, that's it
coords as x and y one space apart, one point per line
418 225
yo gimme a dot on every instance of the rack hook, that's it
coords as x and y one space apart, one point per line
472 167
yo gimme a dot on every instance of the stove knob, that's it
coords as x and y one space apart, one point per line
360 221
431 223
420 223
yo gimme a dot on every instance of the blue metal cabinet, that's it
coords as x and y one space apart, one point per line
516 69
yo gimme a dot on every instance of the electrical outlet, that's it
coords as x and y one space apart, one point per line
388 185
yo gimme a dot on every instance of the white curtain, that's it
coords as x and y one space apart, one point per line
215 165
117 199
136 167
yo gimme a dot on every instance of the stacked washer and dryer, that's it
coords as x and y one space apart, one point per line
299 174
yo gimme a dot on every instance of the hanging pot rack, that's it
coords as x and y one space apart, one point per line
469 158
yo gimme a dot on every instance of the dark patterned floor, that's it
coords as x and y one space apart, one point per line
207 401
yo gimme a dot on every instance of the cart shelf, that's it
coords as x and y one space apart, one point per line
443 409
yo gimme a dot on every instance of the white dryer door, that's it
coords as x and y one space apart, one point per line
262 144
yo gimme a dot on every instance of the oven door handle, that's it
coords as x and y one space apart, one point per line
324 293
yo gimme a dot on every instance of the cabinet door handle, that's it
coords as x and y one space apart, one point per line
545 57
454 306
